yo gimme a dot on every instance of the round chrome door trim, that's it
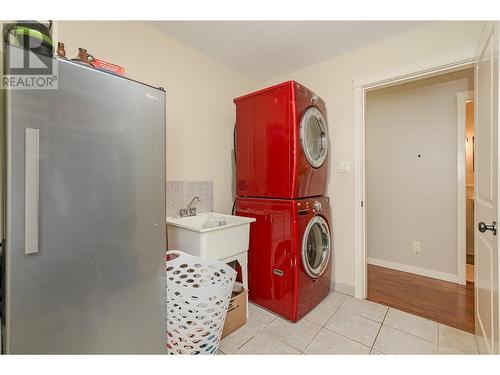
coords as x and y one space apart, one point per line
316 161
311 270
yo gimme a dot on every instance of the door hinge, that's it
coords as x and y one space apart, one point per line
361 203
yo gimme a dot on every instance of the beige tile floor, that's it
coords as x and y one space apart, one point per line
344 325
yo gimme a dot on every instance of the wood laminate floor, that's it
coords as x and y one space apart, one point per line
444 302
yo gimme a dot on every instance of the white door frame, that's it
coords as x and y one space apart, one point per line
439 64
462 98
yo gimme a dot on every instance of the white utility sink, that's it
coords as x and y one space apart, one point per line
220 242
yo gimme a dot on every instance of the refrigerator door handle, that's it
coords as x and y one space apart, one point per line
32 187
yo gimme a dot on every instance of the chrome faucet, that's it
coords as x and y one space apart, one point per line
189 211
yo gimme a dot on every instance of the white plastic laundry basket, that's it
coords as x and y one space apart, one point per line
198 293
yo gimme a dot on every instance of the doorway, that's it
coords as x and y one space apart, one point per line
484 58
412 238
469 184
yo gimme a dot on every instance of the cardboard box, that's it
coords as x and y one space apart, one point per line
237 311
108 67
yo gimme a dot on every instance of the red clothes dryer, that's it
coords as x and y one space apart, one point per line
289 259
281 143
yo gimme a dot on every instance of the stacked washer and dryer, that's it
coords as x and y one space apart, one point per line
281 148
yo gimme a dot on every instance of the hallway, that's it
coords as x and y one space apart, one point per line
444 302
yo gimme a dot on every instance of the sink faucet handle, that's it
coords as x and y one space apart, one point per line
192 211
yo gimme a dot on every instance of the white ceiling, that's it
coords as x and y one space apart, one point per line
267 49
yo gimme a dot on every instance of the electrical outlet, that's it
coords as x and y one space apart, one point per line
417 247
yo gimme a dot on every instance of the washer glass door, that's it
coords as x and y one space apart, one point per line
316 247
314 137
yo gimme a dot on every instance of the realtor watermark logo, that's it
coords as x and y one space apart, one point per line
26 69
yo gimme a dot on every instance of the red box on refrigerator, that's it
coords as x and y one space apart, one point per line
108 67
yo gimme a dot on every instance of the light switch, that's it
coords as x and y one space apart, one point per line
343 166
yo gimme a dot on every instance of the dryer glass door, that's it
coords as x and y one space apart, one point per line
316 247
314 137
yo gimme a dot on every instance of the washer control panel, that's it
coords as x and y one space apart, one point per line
316 205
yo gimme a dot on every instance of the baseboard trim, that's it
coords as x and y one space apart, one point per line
412 269
342 288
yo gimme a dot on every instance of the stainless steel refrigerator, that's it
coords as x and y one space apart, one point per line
84 216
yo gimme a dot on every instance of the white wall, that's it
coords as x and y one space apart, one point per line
332 80
411 172
200 110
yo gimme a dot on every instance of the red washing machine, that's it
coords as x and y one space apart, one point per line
289 259
281 143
